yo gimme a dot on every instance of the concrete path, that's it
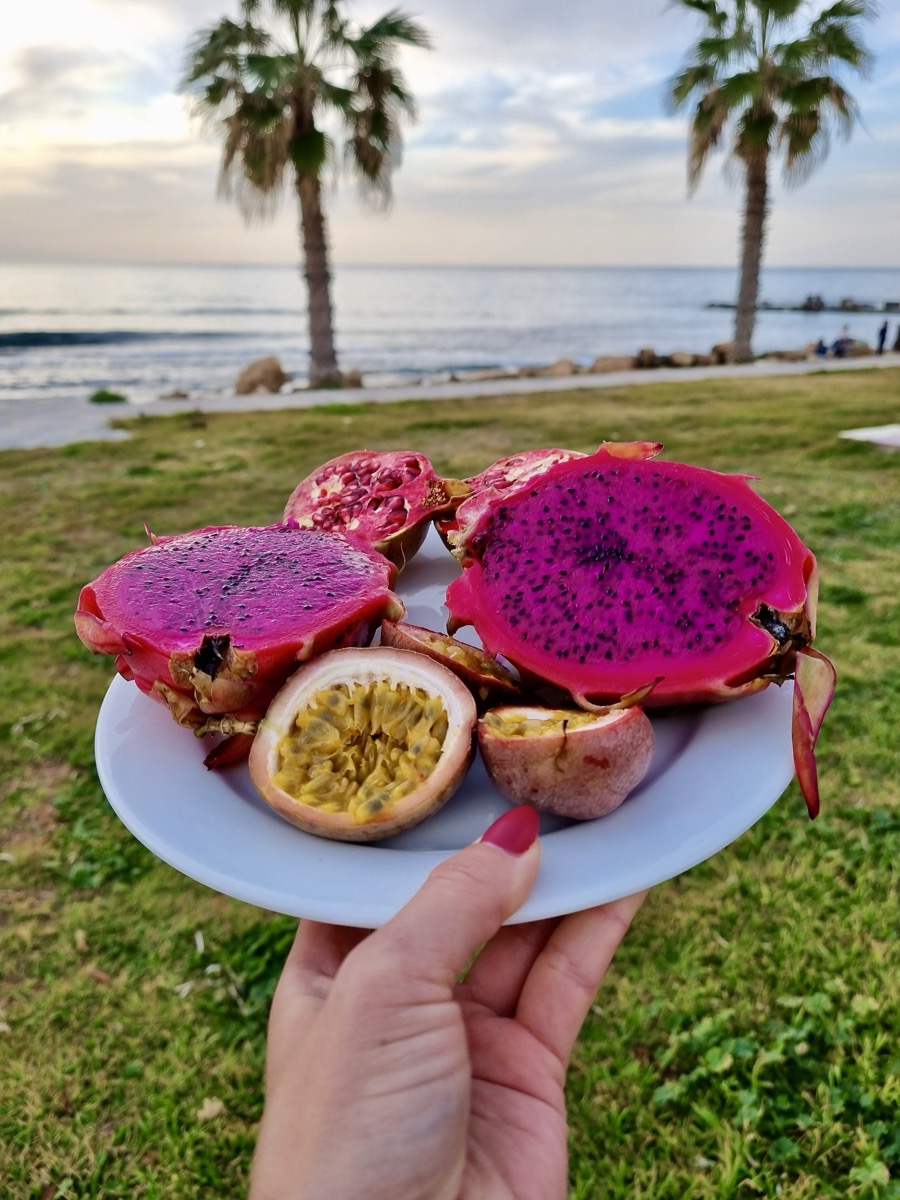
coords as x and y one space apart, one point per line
886 437
33 423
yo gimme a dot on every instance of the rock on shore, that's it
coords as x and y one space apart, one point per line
262 375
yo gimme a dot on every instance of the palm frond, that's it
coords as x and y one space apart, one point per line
270 72
309 11
254 158
383 88
778 12
725 49
816 91
741 89
796 57
708 122
716 17
220 47
310 152
339 97
216 91
698 77
380 39
805 141
374 146
839 107
373 164
846 10
837 43
755 133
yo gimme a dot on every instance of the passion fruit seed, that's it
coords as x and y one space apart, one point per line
559 721
461 653
359 750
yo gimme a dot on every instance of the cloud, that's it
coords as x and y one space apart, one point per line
577 33
62 97
68 83
542 137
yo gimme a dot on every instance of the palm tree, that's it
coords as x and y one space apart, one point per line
759 74
294 87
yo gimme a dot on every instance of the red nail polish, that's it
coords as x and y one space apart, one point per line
515 831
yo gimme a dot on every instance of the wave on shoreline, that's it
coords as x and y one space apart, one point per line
34 339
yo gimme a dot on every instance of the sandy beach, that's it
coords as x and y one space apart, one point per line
37 423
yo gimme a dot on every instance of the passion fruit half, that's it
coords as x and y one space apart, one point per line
361 744
575 764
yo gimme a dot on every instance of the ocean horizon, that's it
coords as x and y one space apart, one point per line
67 329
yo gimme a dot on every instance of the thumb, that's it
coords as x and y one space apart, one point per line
463 902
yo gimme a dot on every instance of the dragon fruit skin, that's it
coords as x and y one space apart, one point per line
608 572
213 621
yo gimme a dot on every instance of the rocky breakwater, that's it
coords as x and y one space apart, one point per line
647 359
605 364
816 304
267 375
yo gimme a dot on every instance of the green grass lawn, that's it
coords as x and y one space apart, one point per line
746 1041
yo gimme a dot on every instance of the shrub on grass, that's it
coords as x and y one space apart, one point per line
105 396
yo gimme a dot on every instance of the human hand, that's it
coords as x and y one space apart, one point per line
388 1079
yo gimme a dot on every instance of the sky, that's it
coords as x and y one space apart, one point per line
542 137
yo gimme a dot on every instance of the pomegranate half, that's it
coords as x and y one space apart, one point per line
379 498
361 744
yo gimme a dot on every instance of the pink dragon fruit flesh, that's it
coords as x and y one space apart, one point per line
212 622
610 571
504 475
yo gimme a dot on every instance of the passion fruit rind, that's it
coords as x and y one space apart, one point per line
574 764
361 744
487 679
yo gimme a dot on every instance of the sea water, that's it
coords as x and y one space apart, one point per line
68 330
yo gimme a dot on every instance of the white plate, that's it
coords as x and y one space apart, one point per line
715 772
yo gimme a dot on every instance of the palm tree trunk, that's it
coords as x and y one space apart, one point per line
323 367
752 239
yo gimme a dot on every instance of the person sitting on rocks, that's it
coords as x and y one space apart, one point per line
841 347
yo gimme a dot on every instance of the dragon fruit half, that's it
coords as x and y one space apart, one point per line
610 571
212 622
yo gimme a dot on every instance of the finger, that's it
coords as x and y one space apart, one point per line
318 950
565 977
496 977
309 969
461 906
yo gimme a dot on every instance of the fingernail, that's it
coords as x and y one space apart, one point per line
515 831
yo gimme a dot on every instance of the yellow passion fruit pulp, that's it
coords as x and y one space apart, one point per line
362 744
